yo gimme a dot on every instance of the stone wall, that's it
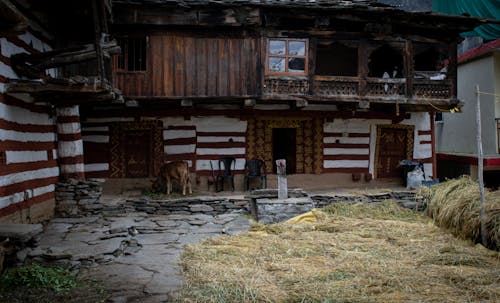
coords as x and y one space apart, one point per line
78 198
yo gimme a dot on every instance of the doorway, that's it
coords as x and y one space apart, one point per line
285 147
137 153
393 145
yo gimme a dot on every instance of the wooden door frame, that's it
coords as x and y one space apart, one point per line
117 131
410 137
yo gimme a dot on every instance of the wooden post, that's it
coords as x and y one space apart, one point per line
98 35
480 166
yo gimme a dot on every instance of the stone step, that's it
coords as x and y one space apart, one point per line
20 232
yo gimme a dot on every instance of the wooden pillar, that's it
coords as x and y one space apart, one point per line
452 70
69 143
433 145
362 66
408 60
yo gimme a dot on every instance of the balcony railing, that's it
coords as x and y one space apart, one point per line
351 87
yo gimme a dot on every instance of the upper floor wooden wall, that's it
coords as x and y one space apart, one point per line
183 66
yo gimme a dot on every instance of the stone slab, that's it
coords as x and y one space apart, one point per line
20 232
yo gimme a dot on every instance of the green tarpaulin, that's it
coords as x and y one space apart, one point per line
479 8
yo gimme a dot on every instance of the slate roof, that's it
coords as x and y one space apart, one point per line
321 4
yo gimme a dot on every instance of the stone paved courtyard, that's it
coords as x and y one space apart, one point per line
133 255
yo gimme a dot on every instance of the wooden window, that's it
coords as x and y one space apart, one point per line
286 57
133 54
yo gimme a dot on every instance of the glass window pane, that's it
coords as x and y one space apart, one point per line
296 48
277 47
276 64
296 65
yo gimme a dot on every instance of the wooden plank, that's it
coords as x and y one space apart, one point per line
190 67
179 73
223 79
213 67
362 66
234 67
156 59
408 61
201 66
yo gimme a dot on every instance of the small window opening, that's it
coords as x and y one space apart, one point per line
386 62
438 117
336 59
133 54
431 62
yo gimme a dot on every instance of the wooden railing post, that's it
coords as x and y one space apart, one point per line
408 60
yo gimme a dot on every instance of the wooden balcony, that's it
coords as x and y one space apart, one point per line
351 89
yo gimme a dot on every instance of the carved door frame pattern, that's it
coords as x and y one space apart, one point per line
117 132
410 130
309 141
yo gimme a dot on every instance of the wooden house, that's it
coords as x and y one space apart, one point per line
337 88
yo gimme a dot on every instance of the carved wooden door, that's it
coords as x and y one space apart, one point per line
391 150
137 153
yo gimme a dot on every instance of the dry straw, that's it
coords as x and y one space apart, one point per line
354 253
455 205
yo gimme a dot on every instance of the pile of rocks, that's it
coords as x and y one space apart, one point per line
78 198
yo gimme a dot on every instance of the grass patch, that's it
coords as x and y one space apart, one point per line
37 283
355 253
36 275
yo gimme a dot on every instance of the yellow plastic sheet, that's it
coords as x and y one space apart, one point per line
309 217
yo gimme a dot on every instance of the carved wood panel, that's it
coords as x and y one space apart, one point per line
394 143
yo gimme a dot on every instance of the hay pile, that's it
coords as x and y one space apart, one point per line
455 205
355 253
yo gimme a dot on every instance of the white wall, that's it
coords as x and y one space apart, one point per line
457 133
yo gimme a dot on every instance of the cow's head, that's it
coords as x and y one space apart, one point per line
157 185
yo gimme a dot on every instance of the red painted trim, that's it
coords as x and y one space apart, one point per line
471 160
4 79
20 43
350 135
5 60
95 124
69 137
95 133
97 174
28 128
220 134
71 160
425 132
346 157
479 51
39 35
27 146
346 170
26 166
95 145
181 127
29 184
217 157
179 157
426 142
221 145
180 141
345 145
68 119
9 100
25 204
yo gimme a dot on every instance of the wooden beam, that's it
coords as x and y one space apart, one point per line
32 65
13 21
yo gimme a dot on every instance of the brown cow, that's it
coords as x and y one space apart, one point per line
178 170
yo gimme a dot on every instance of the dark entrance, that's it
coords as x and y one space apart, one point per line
285 147
392 148
137 153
